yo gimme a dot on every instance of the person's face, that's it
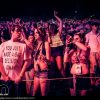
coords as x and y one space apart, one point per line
16 34
32 27
46 25
31 39
81 31
87 26
77 38
36 35
94 27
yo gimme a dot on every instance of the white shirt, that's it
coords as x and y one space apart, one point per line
93 41
13 54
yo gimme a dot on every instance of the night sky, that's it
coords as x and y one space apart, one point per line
44 8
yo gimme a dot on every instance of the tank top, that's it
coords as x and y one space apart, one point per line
40 54
79 57
56 41
80 62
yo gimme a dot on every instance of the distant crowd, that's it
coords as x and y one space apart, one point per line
56 48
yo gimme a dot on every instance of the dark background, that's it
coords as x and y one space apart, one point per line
44 8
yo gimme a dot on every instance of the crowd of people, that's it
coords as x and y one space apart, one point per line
33 54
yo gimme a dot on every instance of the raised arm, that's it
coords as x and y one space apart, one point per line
59 20
24 39
30 45
81 46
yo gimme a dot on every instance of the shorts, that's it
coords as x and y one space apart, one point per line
57 51
41 73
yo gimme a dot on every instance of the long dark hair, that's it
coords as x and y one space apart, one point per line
53 28
42 33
